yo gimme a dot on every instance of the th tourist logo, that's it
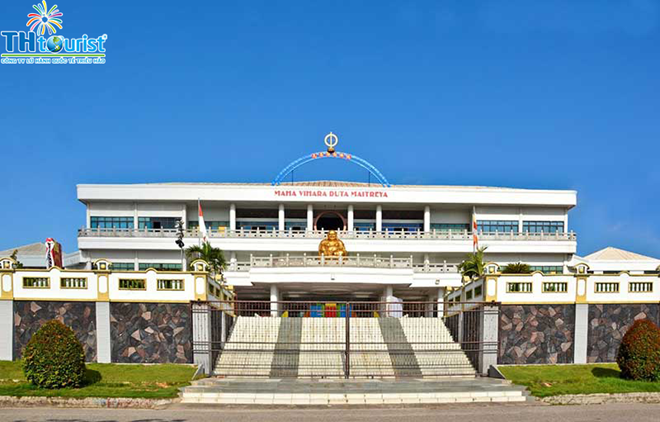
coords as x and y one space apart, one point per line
33 47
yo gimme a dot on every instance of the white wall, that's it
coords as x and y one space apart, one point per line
111 209
159 209
450 216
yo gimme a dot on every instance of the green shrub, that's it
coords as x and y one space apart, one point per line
54 358
639 353
517 268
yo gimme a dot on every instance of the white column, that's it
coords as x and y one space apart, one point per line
389 291
103 341
136 262
232 217
351 219
89 216
310 217
280 218
565 221
379 218
520 220
232 260
6 329
441 302
135 216
184 216
274 297
489 338
427 218
201 323
581 333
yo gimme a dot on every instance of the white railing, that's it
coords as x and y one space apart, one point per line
322 261
366 261
460 235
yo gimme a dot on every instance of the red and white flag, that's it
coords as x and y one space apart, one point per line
475 236
202 225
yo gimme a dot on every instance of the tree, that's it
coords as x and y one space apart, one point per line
13 255
473 266
517 268
214 256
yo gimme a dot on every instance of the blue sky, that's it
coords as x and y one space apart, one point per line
545 94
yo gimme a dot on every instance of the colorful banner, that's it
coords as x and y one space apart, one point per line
53 254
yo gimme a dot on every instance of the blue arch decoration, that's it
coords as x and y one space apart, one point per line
339 155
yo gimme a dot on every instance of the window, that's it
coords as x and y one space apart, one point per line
547 269
295 225
132 284
122 266
73 283
210 225
543 226
555 287
111 222
36 282
518 287
607 287
445 227
405 227
170 284
640 287
257 225
157 222
364 227
477 291
161 266
500 226
468 295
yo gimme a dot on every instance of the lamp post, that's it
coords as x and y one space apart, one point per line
179 241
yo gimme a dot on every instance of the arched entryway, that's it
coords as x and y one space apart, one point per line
330 220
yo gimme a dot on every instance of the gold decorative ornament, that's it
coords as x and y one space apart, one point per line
331 141
331 246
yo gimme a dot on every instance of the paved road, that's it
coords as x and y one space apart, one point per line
454 413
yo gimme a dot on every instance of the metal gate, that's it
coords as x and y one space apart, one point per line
342 339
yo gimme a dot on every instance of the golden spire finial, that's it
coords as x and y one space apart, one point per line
331 141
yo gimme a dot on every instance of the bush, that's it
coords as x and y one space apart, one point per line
639 353
517 268
54 358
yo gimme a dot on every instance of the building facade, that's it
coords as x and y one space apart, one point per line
402 240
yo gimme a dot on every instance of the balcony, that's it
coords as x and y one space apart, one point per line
356 261
462 235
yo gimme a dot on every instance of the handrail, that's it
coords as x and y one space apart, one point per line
459 235
359 261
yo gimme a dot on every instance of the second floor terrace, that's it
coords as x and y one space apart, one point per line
434 234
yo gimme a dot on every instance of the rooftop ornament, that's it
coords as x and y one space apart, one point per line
331 141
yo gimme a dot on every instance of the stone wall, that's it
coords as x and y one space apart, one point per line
29 316
536 334
607 325
151 333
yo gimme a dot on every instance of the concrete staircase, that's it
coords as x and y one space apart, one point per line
274 347
323 392
420 332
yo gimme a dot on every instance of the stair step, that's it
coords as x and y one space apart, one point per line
381 347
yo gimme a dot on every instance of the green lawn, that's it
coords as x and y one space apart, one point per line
552 380
105 380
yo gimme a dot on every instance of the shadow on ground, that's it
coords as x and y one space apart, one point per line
605 373
91 377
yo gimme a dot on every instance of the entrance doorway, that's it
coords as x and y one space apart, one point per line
330 220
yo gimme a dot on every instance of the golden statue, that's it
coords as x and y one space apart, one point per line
331 246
